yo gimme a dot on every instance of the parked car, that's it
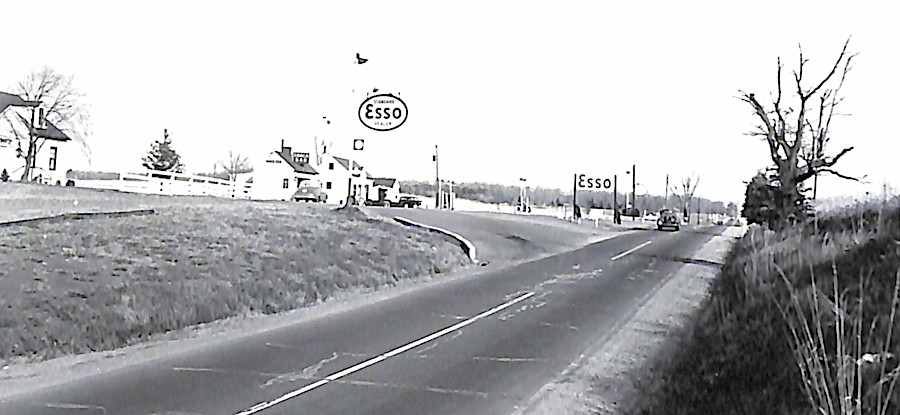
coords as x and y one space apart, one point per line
407 201
631 212
309 194
668 219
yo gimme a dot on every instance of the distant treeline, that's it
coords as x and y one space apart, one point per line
539 196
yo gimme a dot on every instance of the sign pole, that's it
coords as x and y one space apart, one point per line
633 191
574 193
615 200
437 180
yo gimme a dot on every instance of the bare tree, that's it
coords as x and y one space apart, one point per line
801 134
689 185
62 105
235 164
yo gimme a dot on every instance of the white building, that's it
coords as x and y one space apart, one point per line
281 173
56 154
339 181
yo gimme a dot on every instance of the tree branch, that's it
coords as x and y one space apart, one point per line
843 176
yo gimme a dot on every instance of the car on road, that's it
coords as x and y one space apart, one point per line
309 194
668 219
407 201
631 212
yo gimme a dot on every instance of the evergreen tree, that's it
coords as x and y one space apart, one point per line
163 157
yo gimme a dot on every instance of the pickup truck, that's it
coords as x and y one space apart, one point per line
407 201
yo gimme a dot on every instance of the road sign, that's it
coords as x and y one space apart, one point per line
585 182
383 112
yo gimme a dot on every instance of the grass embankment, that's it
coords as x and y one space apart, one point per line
799 321
101 283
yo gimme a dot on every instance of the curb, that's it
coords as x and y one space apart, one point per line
466 245
78 216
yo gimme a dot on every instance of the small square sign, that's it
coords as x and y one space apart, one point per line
358 143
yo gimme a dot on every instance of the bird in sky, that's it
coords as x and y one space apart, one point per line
360 60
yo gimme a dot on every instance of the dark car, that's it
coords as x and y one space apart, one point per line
631 212
407 201
668 219
309 194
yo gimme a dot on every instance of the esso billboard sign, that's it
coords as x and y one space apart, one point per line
383 112
585 182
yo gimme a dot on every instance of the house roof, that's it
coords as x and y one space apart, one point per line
50 133
381 181
299 167
344 162
7 99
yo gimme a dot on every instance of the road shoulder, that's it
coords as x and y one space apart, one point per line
606 380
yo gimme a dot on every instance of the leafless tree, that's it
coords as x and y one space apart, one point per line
689 185
235 164
63 107
798 135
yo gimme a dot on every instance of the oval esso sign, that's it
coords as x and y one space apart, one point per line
383 112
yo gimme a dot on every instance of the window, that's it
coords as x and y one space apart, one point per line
286 183
52 158
330 166
328 185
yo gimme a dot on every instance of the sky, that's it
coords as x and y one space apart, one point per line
507 90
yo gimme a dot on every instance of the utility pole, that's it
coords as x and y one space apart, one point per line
437 180
666 200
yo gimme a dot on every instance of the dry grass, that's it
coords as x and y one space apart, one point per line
102 283
800 321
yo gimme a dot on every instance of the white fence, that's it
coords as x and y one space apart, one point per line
166 183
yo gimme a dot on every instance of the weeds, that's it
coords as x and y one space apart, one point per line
777 337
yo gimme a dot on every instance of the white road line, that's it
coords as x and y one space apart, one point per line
265 405
74 406
630 250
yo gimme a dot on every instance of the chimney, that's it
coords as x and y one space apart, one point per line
282 144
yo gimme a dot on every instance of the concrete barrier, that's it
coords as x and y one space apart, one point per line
466 245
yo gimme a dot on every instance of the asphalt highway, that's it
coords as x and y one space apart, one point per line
481 344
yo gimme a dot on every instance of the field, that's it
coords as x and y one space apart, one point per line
799 321
75 286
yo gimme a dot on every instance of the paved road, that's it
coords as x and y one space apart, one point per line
474 345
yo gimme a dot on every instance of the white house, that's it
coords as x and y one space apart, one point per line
56 154
281 173
339 181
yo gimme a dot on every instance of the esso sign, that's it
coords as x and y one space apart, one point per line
585 182
383 112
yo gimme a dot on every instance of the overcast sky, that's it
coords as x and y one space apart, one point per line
506 89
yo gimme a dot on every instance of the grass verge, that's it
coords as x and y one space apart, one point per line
799 321
69 287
